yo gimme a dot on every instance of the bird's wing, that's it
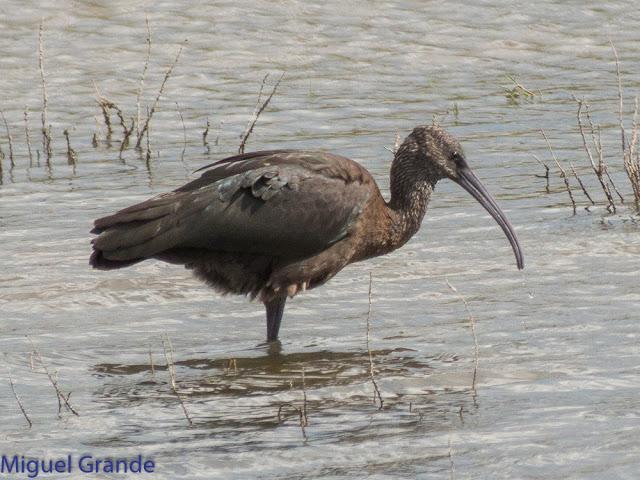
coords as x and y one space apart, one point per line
279 203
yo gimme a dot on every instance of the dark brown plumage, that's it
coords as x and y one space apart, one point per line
273 223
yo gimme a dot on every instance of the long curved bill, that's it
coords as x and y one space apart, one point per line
468 180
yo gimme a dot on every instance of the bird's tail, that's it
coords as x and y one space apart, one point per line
138 232
99 262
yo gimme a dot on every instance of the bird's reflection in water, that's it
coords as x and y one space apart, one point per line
273 374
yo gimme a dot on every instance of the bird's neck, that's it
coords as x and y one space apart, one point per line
411 189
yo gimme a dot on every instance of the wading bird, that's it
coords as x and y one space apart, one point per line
274 223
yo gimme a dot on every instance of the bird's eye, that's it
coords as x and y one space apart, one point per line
456 157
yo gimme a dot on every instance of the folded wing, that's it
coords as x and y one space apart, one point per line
278 203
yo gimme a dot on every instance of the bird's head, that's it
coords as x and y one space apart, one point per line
440 156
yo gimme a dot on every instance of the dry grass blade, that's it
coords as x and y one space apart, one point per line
620 101
597 141
563 174
377 397
28 134
62 398
15 395
472 323
168 355
184 132
144 73
147 155
46 129
150 113
258 111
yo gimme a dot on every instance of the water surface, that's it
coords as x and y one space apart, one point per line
557 390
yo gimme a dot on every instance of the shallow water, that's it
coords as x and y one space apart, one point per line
557 391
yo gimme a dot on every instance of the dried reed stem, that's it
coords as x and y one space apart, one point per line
10 138
151 364
168 355
46 129
258 110
216 142
62 399
148 152
597 141
546 172
563 174
27 134
376 391
205 143
127 134
184 132
106 106
632 160
72 157
24 412
150 113
304 401
396 145
472 323
620 102
601 167
301 412
229 364
95 138
144 72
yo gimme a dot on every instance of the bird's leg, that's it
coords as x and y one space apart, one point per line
275 309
